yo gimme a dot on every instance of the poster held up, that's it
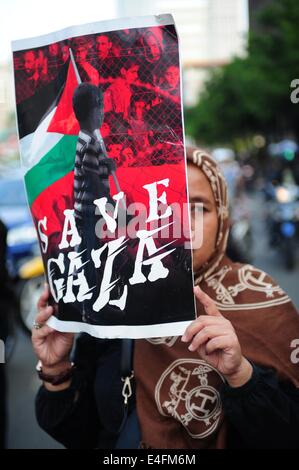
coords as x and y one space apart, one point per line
105 175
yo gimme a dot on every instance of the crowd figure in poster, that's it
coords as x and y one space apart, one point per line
138 72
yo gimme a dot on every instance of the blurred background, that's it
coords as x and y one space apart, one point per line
240 62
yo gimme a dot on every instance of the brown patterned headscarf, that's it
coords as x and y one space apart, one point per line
218 184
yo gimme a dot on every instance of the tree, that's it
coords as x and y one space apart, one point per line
252 94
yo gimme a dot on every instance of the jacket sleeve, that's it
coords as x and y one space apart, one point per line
263 413
70 416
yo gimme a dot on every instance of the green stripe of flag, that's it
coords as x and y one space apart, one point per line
54 165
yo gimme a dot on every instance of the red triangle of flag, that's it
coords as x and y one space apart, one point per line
64 120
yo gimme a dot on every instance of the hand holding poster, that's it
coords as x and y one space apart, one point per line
101 139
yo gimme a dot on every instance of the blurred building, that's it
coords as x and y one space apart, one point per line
8 137
211 33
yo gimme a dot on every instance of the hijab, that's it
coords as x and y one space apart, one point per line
211 170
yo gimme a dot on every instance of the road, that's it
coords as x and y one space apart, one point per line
24 433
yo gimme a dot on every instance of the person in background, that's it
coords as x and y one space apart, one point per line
152 42
54 59
117 97
84 57
171 80
27 77
138 122
107 64
151 48
65 52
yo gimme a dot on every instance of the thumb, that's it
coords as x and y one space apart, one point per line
207 302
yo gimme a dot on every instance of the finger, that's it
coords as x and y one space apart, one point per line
44 314
207 333
220 343
207 302
201 322
43 300
191 330
42 333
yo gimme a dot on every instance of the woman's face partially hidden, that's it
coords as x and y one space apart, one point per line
204 222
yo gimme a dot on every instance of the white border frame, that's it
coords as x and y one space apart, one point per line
120 331
92 28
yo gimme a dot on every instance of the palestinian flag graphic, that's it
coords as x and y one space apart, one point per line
134 285
48 147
